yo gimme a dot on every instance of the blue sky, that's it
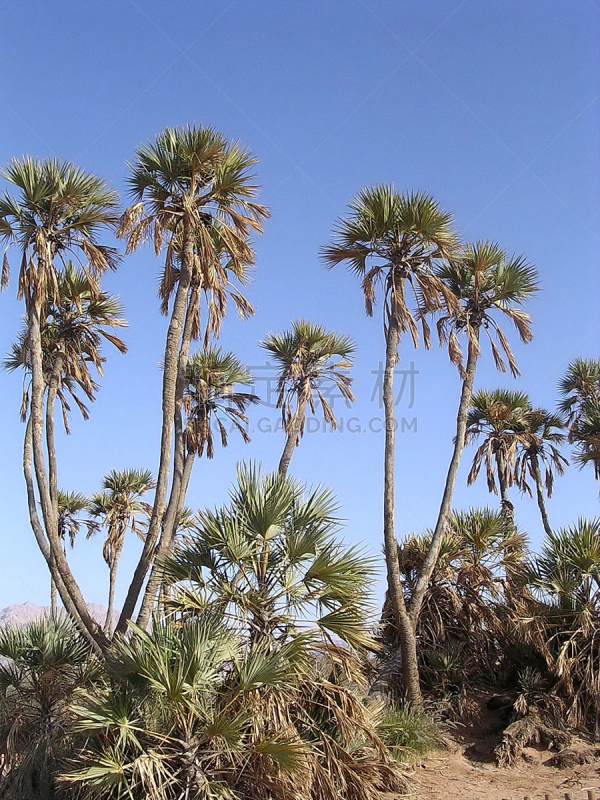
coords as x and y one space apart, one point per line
491 107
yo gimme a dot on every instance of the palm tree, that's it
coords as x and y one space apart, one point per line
486 282
564 625
307 357
271 561
395 240
70 506
538 448
193 194
567 571
210 400
118 508
499 417
58 210
75 324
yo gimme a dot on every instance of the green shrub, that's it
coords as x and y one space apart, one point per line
409 732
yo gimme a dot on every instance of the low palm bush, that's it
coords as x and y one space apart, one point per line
45 665
466 628
253 688
565 617
410 732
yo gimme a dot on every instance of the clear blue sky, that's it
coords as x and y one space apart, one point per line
492 107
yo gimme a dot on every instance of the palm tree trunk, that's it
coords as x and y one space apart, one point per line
176 503
404 627
170 373
181 464
42 541
537 476
58 563
292 437
50 443
112 582
53 599
431 558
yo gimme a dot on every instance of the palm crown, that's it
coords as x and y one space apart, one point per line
210 397
567 571
499 417
119 507
70 507
307 357
393 239
59 209
485 280
541 437
192 182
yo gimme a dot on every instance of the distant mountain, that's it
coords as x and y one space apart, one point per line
27 612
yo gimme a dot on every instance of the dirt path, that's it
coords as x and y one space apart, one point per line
452 776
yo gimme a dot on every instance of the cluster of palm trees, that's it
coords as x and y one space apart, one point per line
194 199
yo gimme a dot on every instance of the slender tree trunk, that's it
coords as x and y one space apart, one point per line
431 558
174 509
42 541
181 464
58 563
170 373
112 582
53 599
292 438
403 623
537 476
50 443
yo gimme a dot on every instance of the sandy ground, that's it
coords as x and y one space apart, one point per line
452 776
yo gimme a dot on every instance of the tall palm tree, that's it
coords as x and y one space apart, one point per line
57 210
538 447
486 282
499 418
210 400
307 357
394 241
76 320
118 508
193 194
70 507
